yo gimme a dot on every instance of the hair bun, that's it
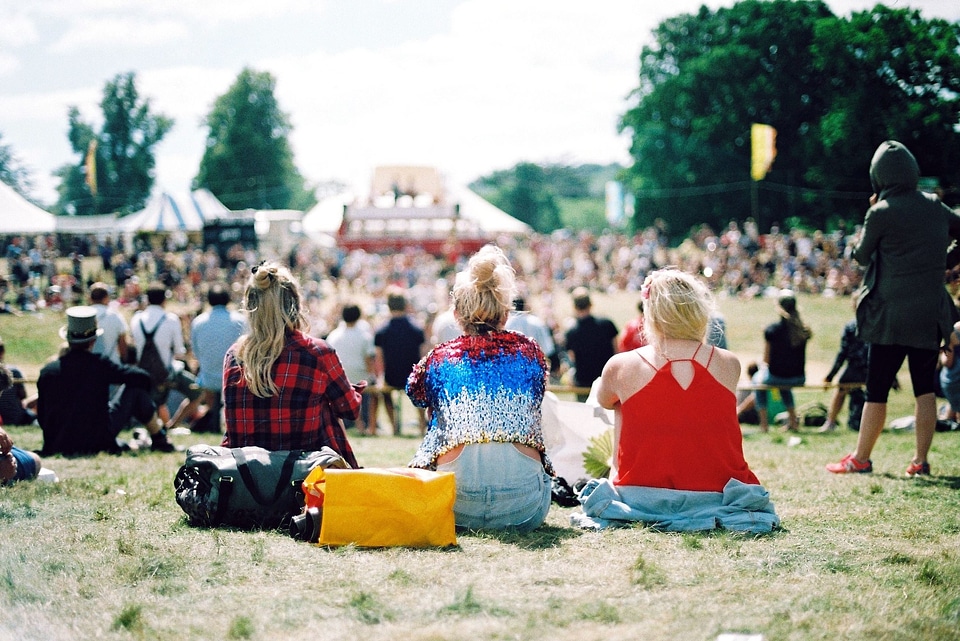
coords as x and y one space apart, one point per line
264 276
484 274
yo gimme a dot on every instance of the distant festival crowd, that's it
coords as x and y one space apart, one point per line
736 262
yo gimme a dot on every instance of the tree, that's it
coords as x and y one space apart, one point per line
542 195
833 89
116 165
12 172
248 162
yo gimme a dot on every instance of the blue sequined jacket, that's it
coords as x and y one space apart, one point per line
480 389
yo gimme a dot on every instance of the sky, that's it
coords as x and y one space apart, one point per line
466 86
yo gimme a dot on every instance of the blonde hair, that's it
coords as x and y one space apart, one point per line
272 301
483 293
675 305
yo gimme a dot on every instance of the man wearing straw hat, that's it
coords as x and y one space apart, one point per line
74 408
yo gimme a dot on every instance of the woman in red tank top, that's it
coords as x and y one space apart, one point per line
675 399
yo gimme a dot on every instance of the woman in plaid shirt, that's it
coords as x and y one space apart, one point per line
284 389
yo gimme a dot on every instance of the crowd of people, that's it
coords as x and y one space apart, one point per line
456 337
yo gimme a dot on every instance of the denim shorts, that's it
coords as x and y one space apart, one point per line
26 465
764 377
498 488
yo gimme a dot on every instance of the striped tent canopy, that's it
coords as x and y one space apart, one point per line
167 212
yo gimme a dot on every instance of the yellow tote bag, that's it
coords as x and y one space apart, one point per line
381 507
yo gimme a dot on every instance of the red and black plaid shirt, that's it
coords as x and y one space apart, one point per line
303 415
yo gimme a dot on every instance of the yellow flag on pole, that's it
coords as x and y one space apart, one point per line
763 147
90 165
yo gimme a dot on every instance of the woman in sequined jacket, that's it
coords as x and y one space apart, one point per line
483 392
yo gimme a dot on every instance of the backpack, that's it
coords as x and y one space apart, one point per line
247 487
150 359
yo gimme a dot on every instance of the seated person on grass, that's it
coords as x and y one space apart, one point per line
678 451
74 407
16 464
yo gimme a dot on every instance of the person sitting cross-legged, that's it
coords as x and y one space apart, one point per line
74 407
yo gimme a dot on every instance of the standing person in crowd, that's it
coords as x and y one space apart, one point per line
444 327
167 333
282 388
949 375
16 464
590 342
853 352
663 438
529 324
211 335
903 308
15 407
717 330
113 342
483 392
784 360
74 407
633 335
354 345
400 344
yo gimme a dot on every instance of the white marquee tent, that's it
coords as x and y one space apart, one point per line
20 216
182 212
326 216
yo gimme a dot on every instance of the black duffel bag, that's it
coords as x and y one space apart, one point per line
246 487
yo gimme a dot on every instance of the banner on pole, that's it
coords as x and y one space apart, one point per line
763 142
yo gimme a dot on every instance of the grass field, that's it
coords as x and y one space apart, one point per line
106 554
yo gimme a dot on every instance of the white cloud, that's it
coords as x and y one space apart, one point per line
492 92
210 10
503 82
8 64
93 33
43 107
16 28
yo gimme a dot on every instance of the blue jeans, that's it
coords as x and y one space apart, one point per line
764 377
498 488
26 465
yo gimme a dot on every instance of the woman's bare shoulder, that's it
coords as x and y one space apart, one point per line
726 367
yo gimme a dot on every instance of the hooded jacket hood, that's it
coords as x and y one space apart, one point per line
893 170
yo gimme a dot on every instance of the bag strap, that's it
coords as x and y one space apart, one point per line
286 473
149 335
223 499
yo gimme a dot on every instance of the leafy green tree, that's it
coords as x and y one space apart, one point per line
12 172
548 197
248 162
906 71
832 88
115 171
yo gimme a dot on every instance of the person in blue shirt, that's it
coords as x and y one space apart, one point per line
211 335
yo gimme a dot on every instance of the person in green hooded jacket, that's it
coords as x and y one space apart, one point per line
903 308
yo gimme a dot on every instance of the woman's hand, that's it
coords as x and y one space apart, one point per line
8 467
5 442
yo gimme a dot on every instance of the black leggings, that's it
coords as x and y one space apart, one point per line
884 361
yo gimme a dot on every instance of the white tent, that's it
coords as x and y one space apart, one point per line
166 212
492 219
100 225
20 216
326 216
